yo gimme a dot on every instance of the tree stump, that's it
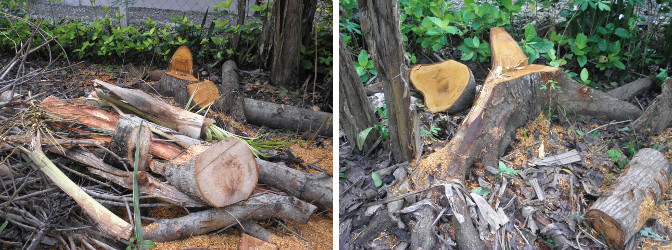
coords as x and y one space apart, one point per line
180 74
223 174
620 214
232 99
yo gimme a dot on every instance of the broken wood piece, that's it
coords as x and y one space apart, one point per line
148 184
630 90
288 117
658 115
559 159
223 174
257 207
106 220
124 141
313 188
620 214
179 119
250 242
81 112
202 93
447 86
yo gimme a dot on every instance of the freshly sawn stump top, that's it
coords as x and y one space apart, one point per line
446 85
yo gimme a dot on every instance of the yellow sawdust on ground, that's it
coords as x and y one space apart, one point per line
664 139
318 230
530 137
167 212
310 154
218 241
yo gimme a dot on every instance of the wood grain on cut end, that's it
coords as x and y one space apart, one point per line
226 173
182 61
505 51
444 85
203 93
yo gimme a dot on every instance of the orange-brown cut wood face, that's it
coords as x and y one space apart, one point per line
203 93
442 84
182 64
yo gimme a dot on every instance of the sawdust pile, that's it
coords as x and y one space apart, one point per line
219 241
322 156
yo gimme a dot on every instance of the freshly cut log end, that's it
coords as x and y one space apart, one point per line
446 86
505 51
203 93
620 214
221 175
182 64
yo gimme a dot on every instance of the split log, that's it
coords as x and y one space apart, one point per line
510 97
630 90
222 174
632 200
257 207
314 188
175 82
447 86
658 115
287 117
148 184
80 112
179 119
124 141
232 99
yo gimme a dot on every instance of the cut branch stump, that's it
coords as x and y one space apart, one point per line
632 199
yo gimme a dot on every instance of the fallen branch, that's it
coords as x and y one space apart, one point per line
107 221
314 188
620 214
259 206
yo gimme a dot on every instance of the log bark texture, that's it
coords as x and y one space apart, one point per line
287 117
257 207
632 199
175 87
221 175
176 118
380 28
356 113
630 90
658 115
313 188
286 63
232 99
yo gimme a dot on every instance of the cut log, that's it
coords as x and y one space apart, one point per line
658 115
620 214
223 174
148 184
256 231
232 99
313 188
288 117
447 86
257 207
630 90
124 141
510 97
202 93
176 118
